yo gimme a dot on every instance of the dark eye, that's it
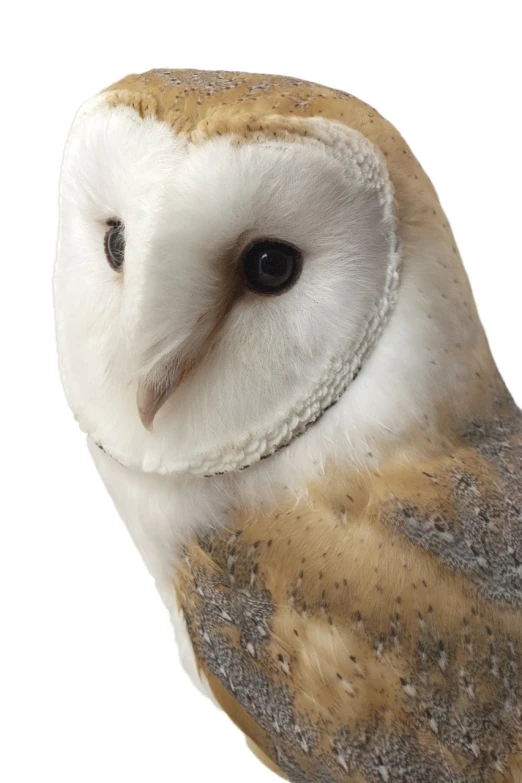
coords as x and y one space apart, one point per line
270 267
115 244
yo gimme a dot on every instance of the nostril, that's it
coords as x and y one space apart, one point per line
201 317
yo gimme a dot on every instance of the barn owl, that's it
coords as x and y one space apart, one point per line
266 332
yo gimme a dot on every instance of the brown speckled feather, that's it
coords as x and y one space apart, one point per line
373 633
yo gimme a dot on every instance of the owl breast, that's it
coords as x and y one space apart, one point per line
372 633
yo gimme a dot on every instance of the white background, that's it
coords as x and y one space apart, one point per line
91 689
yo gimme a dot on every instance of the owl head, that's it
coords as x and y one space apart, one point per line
239 253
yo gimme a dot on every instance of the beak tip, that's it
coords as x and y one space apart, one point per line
146 419
150 399
148 403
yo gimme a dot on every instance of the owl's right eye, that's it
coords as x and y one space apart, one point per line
114 244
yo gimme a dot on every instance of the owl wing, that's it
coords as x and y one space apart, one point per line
373 631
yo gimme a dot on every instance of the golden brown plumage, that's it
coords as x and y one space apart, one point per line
373 632
370 629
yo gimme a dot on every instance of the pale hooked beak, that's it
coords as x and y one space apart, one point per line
151 395
149 402
161 380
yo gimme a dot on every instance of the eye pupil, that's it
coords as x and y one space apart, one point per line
274 265
270 267
115 244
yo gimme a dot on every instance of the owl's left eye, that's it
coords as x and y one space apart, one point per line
114 244
271 266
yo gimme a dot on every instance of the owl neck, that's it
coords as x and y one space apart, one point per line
430 374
